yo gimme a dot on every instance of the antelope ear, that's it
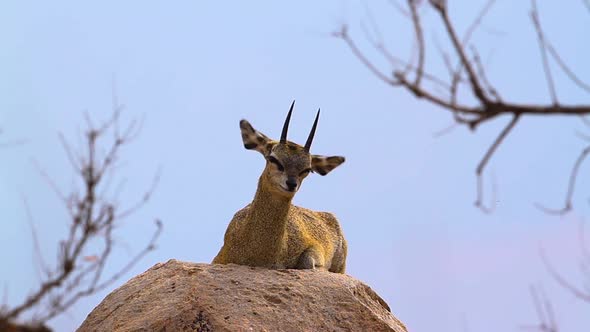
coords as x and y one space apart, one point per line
323 165
255 140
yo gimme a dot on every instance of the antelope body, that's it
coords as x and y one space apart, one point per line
270 231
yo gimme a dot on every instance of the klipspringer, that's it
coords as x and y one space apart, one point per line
270 231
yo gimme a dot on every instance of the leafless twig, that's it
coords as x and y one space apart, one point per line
80 269
36 246
486 158
471 73
570 187
543 50
576 291
544 309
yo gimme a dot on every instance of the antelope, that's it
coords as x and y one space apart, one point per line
273 233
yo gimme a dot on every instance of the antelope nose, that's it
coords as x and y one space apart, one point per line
291 184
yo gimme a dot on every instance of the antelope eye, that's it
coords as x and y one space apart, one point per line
274 160
305 172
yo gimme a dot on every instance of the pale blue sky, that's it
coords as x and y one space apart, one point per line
404 198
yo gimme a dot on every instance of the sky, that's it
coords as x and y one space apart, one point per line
404 196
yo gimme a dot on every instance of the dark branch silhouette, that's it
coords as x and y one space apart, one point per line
469 73
94 215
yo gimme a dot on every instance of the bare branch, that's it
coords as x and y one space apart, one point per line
400 8
94 287
570 187
545 313
93 217
488 102
395 61
543 49
477 22
445 130
49 181
580 294
486 158
373 22
343 33
419 40
75 161
146 197
420 93
481 72
475 85
566 69
36 246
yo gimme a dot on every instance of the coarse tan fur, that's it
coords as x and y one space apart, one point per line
271 232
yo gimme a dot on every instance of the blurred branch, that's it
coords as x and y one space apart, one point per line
543 50
570 187
36 246
486 158
11 143
544 311
578 292
488 103
419 41
80 268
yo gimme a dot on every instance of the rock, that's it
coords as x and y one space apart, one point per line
179 296
6 326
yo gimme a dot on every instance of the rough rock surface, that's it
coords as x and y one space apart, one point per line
179 296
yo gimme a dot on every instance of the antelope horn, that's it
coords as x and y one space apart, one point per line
286 125
312 132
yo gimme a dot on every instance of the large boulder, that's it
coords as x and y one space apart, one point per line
180 296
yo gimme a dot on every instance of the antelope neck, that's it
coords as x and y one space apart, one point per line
268 212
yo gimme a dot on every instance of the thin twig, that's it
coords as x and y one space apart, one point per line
94 288
489 104
544 313
146 197
562 281
543 50
400 8
343 33
566 69
373 22
36 246
420 42
477 21
486 158
49 181
92 217
475 85
395 61
482 75
570 187
446 130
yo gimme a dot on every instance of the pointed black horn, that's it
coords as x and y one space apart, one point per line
312 132
286 125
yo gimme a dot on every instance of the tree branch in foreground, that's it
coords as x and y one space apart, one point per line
469 74
84 253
